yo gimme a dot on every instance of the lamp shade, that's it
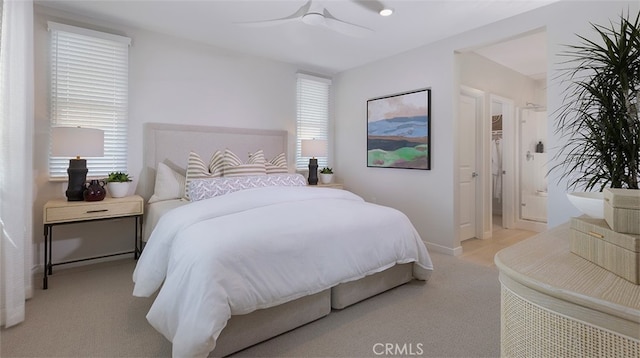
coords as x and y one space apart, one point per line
314 148
77 142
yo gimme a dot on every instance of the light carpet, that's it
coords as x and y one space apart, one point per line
90 312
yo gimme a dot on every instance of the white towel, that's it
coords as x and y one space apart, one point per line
496 168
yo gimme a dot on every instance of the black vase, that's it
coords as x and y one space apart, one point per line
95 191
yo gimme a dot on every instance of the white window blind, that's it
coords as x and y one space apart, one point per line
89 88
312 115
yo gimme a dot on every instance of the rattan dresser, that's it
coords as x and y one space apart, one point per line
557 304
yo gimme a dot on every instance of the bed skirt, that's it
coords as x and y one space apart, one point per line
243 331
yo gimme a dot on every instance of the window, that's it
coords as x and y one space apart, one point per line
312 115
89 88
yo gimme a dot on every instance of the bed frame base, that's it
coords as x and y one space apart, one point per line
348 293
243 331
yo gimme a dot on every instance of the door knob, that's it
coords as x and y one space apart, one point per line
474 174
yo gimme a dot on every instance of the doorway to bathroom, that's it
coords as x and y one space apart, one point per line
513 132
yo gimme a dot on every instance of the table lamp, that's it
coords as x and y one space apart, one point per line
314 148
76 142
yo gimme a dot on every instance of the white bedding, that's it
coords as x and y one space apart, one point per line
154 211
259 248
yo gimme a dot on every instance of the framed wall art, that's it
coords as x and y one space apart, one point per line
398 131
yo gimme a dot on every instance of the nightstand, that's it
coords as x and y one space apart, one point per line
331 185
61 211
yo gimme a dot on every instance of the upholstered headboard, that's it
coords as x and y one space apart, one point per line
171 144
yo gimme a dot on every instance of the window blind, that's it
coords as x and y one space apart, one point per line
312 114
89 88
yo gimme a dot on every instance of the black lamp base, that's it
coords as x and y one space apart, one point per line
77 177
313 171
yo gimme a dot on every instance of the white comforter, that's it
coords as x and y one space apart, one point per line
262 247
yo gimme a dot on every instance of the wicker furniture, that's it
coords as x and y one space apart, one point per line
557 304
61 211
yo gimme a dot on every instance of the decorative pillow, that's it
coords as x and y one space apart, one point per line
216 164
201 189
234 167
196 168
277 165
169 184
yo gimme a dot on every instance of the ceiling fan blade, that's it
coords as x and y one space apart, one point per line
371 5
293 17
344 27
265 23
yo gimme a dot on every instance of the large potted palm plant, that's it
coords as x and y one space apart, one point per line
599 119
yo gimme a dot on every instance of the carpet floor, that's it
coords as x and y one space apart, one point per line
89 312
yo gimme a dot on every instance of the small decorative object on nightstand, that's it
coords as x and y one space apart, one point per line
75 142
118 184
313 148
95 191
326 175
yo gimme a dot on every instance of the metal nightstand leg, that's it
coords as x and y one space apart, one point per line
48 232
136 250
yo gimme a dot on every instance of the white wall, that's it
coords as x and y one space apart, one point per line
429 197
171 81
424 195
481 73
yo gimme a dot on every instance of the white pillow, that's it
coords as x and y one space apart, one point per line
169 184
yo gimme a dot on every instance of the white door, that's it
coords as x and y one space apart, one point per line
470 109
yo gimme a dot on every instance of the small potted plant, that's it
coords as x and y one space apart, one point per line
118 184
326 175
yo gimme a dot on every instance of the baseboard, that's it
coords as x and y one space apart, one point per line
531 225
457 251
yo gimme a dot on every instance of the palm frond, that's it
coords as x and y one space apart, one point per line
599 118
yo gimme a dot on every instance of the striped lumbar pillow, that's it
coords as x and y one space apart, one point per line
277 165
233 166
197 169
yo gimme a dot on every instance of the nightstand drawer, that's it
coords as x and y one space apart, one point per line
92 210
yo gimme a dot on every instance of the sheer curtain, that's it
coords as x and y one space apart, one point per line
16 158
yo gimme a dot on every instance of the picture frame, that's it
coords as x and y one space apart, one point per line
399 130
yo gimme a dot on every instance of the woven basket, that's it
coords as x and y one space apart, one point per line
528 330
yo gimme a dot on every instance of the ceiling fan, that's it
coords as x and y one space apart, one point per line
316 15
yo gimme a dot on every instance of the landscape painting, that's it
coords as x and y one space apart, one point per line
398 131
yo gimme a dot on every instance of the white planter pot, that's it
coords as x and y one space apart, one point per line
326 178
117 189
589 203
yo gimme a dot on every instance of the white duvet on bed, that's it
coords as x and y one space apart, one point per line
258 248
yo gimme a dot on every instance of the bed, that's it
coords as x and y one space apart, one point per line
232 268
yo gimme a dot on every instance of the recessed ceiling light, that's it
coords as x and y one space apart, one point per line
386 12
